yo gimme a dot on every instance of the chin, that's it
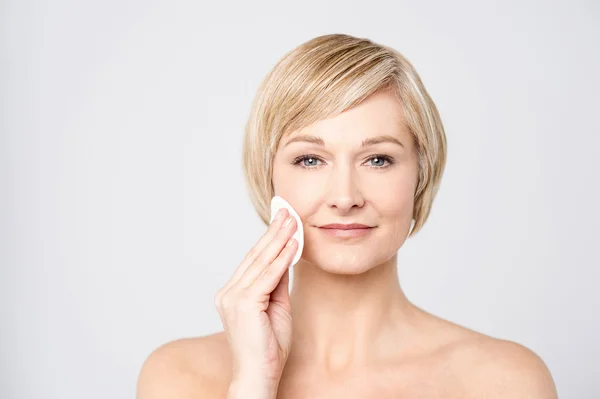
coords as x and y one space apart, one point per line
347 262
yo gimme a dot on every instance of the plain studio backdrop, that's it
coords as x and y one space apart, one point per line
123 207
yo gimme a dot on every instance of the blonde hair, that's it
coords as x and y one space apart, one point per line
322 78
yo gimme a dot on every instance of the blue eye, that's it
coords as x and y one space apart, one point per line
378 159
313 160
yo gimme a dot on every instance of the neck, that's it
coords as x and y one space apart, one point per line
343 321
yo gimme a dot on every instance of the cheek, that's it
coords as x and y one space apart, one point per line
393 197
300 188
395 207
295 194
397 200
299 199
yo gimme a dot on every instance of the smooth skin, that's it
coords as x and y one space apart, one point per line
346 330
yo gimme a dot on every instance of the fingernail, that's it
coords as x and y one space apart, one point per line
288 221
290 242
278 215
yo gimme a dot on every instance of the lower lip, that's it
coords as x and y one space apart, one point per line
347 233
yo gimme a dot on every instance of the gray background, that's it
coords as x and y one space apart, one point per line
123 208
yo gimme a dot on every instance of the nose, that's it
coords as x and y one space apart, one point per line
343 189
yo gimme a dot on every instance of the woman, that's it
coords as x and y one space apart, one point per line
344 130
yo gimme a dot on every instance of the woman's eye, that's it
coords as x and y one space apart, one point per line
309 161
306 161
379 161
376 161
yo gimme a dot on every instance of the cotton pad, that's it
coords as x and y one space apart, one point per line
276 204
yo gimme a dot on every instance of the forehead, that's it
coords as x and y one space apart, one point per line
379 114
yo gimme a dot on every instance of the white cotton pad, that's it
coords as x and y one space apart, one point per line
276 204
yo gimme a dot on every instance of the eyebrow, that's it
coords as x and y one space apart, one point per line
365 143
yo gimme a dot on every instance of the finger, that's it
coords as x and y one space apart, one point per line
281 294
268 255
256 250
275 279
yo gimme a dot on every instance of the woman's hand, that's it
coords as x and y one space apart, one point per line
255 310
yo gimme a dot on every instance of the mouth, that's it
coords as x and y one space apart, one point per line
346 231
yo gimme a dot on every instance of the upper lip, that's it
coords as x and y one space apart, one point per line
350 226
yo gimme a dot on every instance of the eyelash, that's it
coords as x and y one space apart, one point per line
387 158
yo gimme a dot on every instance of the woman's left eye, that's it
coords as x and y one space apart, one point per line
379 159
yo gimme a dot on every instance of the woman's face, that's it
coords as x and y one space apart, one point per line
328 176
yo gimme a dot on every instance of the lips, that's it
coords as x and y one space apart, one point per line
351 226
346 230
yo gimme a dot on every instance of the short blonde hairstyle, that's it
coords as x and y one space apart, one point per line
322 78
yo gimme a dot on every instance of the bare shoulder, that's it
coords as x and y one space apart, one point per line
496 368
196 367
488 367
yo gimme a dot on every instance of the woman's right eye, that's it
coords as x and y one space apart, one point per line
306 161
